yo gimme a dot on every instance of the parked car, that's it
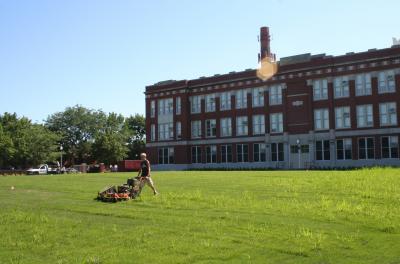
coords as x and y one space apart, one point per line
43 169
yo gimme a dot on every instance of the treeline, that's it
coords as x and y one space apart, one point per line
85 135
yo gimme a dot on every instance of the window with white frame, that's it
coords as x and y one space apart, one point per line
226 127
178 130
343 149
277 152
341 86
342 117
166 155
242 153
210 103
211 128
364 116
322 150
225 101
321 119
178 106
196 129
258 124
276 122
259 152
258 97
241 99
388 114
196 154
386 82
153 132
165 131
195 104
241 126
275 94
226 153
366 148
211 154
152 108
363 84
165 106
320 89
390 147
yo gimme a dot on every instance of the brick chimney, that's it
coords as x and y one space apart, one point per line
265 49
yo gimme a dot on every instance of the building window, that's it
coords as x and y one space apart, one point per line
165 106
259 152
196 129
275 95
388 114
366 148
386 82
364 116
322 151
276 121
166 155
241 99
343 149
390 147
321 119
153 108
195 104
178 105
258 124
226 127
226 153
211 154
165 131
153 132
178 130
196 154
241 126
211 128
225 101
320 88
341 87
210 103
363 84
342 117
242 153
277 153
258 97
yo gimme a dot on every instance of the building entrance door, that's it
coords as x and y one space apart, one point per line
299 156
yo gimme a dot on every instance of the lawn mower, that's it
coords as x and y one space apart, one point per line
130 190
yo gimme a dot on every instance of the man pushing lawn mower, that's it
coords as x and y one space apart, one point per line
144 173
133 187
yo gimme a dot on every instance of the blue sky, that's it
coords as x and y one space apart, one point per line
101 54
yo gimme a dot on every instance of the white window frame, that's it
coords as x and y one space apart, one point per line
153 132
275 94
170 157
152 108
197 158
241 99
390 139
366 147
342 117
195 104
346 143
258 124
276 123
226 127
226 153
365 115
388 114
243 156
258 97
341 87
165 131
212 156
363 84
211 128
320 89
321 119
262 149
195 126
178 106
242 126
386 82
210 103
225 101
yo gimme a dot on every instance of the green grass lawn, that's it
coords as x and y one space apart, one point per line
205 217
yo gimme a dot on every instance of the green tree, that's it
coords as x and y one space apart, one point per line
6 148
137 133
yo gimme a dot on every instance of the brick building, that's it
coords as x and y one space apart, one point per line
316 111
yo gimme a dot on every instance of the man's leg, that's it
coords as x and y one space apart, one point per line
149 182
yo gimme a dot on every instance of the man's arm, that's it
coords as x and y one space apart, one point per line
148 164
140 171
